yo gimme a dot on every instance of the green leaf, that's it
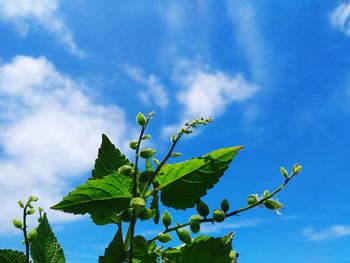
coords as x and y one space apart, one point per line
12 256
109 159
101 198
45 247
148 256
203 249
183 184
154 205
115 252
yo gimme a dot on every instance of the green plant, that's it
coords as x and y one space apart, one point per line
119 192
40 242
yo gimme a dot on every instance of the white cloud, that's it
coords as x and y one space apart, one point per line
208 93
245 22
334 231
222 227
25 14
50 131
340 17
153 92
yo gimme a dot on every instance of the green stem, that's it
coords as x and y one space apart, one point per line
25 232
131 229
235 212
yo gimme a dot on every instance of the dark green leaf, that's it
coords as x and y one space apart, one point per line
155 207
115 252
102 198
12 256
109 159
45 247
183 184
203 249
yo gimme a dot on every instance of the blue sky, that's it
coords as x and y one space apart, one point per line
274 75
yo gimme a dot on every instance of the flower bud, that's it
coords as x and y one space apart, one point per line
219 215
17 223
266 193
35 199
164 238
156 161
32 234
273 204
140 243
141 119
20 203
252 199
225 206
284 172
145 214
137 203
147 153
172 138
31 211
184 236
195 226
166 219
133 144
202 209
125 216
176 154
146 137
31 198
125 169
296 168
195 218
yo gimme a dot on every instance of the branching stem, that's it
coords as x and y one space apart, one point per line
235 212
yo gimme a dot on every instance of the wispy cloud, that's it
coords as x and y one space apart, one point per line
218 228
50 131
152 91
340 17
25 14
205 92
245 21
331 232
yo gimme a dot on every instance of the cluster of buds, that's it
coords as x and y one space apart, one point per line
28 209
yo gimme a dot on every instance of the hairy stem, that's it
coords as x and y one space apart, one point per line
235 212
25 232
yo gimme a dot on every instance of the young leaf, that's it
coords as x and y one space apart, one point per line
203 249
45 247
109 159
12 256
115 251
101 198
183 184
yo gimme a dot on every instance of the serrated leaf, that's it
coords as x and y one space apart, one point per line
183 184
45 247
115 252
101 198
109 159
12 256
203 249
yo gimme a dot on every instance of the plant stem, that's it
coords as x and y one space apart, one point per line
235 212
132 224
25 232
